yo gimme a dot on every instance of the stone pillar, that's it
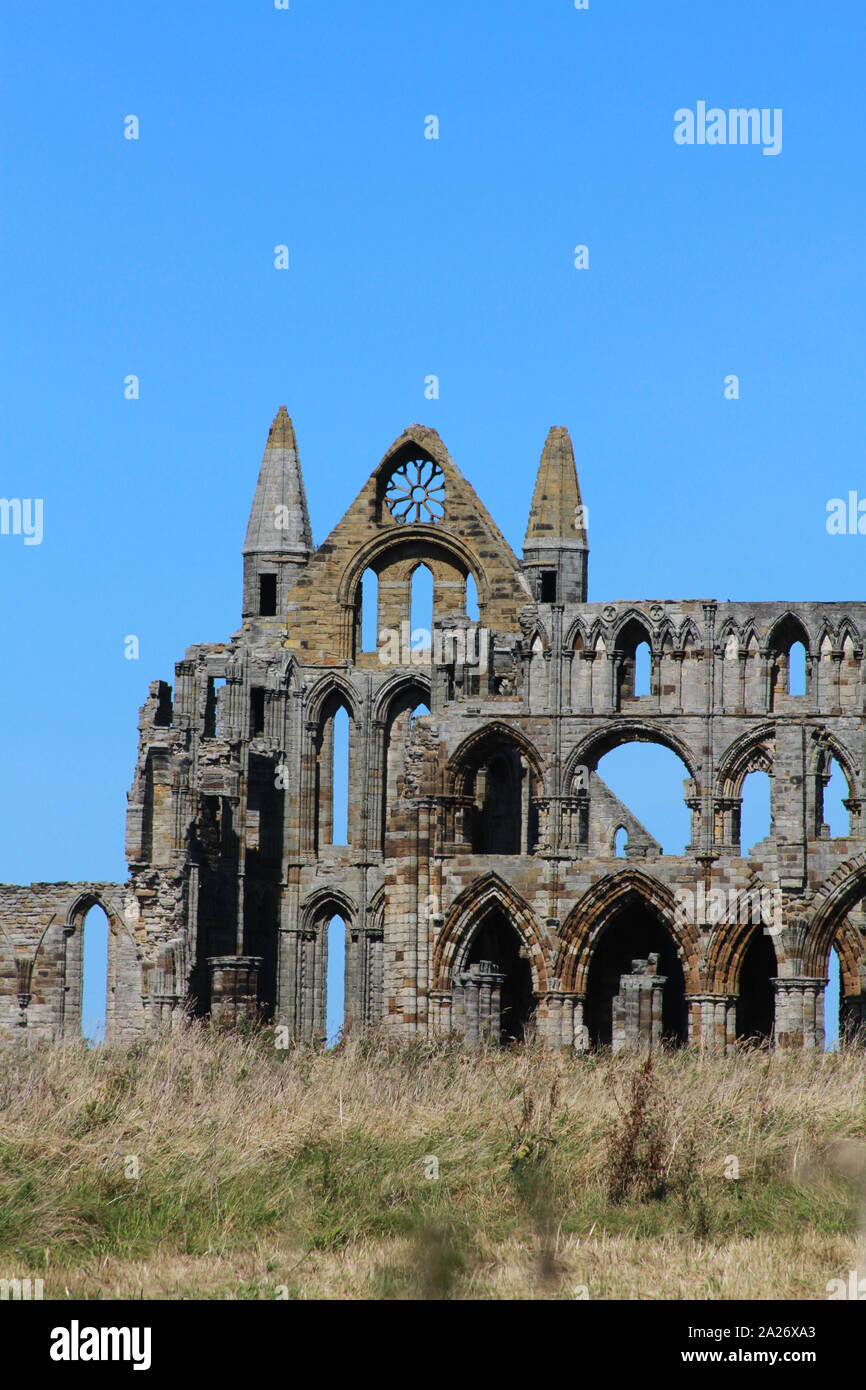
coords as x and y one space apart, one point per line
799 1012
478 1003
712 1022
637 1009
234 988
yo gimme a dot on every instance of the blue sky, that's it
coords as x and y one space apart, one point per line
261 127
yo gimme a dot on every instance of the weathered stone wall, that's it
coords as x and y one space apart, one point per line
480 886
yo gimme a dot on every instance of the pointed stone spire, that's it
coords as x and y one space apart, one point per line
280 486
556 546
557 511
279 540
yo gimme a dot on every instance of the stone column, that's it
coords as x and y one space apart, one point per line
478 1003
637 1009
799 1012
712 1022
234 988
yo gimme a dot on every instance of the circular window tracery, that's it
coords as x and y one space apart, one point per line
416 491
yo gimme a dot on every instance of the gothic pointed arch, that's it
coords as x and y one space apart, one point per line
466 758
590 916
464 916
829 926
331 690
753 751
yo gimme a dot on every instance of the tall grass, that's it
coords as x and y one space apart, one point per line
208 1164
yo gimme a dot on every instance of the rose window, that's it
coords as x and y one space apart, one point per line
416 491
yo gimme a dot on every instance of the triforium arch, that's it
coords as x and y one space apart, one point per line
628 957
491 959
123 1013
593 747
753 751
825 749
495 781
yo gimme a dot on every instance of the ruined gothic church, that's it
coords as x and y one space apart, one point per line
479 884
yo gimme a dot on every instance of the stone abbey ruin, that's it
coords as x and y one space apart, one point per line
480 884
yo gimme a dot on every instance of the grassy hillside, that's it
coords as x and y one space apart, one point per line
214 1165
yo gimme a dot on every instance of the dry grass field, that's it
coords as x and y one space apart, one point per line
213 1165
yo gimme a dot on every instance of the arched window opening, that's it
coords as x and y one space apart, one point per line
335 981
797 669
641 786
332 775
642 669
833 819
832 1003
635 665
402 713
789 646
340 784
472 611
496 951
755 819
498 809
368 616
421 609
620 841
756 1005
94 985
631 937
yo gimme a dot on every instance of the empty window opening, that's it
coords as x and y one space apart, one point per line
163 714
642 669
340 779
548 586
421 609
756 1004
94 985
211 712
267 595
755 822
832 1000
632 934
422 708
369 624
634 669
472 611
647 780
620 840
335 984
833 813
797 669
257 710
